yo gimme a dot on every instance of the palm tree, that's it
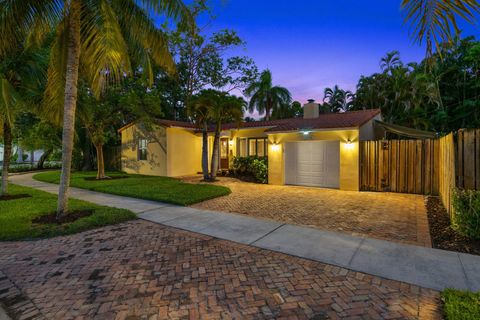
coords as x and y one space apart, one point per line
21 82
264 97
94 36
198 109
338 100
435 21
225 108
390 61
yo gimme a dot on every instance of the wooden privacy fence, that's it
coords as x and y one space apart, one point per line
431 166
446 172
408 166
468 159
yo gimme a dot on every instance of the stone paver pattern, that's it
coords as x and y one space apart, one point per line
386 216
143 270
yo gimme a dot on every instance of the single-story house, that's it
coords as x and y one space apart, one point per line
317 150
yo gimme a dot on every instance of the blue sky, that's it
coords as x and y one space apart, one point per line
312 44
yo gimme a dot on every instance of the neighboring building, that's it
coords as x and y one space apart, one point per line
316 150
36 154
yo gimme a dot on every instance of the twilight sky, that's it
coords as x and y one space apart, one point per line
312 44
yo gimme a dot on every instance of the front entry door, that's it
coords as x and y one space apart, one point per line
224 154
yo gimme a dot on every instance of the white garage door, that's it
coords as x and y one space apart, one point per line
313 163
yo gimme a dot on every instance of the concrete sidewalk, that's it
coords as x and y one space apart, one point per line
426 267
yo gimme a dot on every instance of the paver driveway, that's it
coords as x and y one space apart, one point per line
142 270
387 216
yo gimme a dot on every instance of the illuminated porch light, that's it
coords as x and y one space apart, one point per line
306 133
275 147
230 142
349 144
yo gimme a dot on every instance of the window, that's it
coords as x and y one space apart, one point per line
142 149
261 147
224 149
242 148
253 147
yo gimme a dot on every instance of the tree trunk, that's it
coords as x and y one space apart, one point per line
87 163
100 162
43 157
214 167
70 104
206 176
7 153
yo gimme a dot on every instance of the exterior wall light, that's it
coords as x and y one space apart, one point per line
349 144
230 143
275 147
306 133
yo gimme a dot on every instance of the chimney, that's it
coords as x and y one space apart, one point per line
311 109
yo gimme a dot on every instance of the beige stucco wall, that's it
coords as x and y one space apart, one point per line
184 150
349 157
156 163
171 152
368 132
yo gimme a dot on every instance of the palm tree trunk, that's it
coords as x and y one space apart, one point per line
100 162
205 153
70 104
43 157
7 153
214 167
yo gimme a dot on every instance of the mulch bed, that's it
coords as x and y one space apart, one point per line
106 178
14 196
67 218
443 236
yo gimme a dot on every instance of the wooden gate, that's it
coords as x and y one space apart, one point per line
408 166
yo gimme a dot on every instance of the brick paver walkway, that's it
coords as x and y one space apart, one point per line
142 270
387 216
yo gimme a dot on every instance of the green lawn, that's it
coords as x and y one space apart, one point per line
461 305
162 189
16 215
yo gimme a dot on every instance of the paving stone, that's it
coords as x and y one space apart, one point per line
148 274
386 216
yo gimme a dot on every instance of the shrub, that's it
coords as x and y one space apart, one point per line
260 170
466 217
254 167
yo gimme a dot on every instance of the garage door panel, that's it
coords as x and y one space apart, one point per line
312 163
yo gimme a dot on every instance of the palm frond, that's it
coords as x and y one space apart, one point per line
17 18
52 105
434 21
104 55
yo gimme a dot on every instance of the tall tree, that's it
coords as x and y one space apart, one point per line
390 61
264 97
208 61
337 100
95 35
286 111
225 108
435 21
21 82
198 109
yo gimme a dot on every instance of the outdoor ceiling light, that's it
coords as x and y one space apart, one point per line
349 144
